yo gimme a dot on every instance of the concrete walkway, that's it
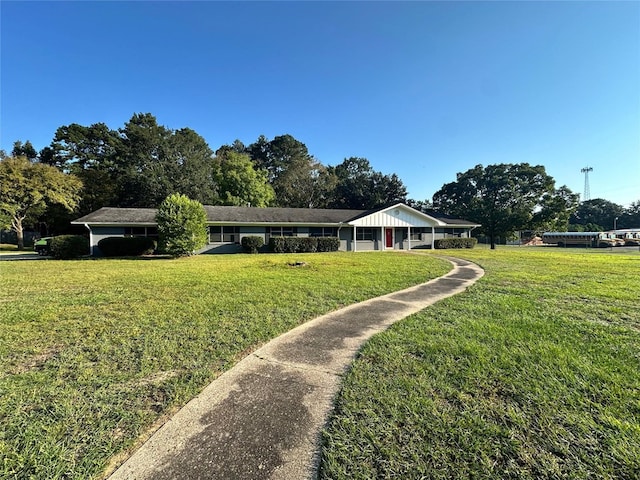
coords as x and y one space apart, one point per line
262 419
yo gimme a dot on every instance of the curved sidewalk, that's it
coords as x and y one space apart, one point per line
262 419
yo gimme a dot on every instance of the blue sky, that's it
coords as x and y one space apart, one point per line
421 89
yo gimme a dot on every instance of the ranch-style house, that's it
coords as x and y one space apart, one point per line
398 227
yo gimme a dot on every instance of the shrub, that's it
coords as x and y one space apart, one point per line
182 225
328 244
455 242
303 244
126 246
65 247
252 244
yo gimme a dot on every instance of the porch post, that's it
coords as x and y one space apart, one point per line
409 236
433 237
382 244
355 241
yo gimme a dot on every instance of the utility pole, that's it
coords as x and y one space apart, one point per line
587 193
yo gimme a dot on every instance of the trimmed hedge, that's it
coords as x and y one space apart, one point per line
126 246
251 244
66 247
303 244
455 242
328 244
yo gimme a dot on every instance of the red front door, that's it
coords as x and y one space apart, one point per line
389 237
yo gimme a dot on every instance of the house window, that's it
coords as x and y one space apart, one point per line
418 232
283 231
365 234
135 231
323 232
222 234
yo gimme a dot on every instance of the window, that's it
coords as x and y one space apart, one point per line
283 231
323 232
365 234
222 234
418 232
140 232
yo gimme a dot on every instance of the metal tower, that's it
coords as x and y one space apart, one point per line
587 193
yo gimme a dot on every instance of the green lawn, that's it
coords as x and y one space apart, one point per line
93 352
533 373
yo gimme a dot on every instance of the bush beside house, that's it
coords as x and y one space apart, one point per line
66 247
304 244
126 246
455 243
182 225
252 244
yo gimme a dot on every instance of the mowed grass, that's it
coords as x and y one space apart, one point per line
533 373
93 352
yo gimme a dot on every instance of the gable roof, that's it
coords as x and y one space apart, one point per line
254 215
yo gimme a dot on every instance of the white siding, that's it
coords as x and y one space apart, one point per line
396 217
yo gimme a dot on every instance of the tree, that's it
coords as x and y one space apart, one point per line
424 206
598 212
360 187
555 210
631 216
238 182
27 188
502 198
26 150
182 225
297 178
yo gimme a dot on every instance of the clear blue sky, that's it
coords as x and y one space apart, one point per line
421 89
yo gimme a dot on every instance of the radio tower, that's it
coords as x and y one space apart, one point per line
587 193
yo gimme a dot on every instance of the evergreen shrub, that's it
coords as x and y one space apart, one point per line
126 246
303 244
66 247
455 243
252 244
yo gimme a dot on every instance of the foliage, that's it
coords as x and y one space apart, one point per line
530 374
182 225
238 182
303 244
631 216
94 359
599 212
252 244
27 188
328 244
502 198
297 178
67 247
126 246
455 242
360 187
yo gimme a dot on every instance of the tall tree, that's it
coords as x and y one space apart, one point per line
361 187
630 218
297 178
555 209
26 189
598 212
238 182
502 198
24 150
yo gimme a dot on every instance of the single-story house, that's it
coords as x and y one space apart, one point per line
398 227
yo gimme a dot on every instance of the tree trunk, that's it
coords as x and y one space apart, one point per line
17 226
493 241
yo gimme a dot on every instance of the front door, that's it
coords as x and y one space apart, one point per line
388 237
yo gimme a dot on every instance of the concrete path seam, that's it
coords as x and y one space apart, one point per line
263 418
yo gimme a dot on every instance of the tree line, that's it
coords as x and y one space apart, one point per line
142 163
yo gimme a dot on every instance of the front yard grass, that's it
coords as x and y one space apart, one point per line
533 373
93 352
